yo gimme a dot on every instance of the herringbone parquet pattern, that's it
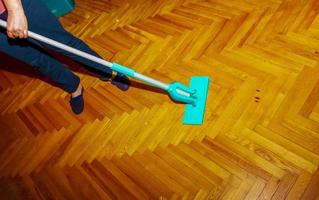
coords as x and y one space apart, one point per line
260 138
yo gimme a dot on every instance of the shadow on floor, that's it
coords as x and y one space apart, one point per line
15 66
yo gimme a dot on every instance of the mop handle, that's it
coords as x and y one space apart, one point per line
114 66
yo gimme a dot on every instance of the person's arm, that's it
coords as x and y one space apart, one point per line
17 24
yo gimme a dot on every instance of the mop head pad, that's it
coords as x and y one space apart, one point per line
194 113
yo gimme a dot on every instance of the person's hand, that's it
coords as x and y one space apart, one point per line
17 24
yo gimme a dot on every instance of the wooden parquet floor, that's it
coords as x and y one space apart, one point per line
260 137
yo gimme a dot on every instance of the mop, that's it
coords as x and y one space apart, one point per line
193 96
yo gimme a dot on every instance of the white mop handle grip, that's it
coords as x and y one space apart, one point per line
114 66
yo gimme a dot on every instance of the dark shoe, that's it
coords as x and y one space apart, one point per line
106 77
121 81
77 103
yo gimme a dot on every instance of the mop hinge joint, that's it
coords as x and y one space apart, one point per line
182 93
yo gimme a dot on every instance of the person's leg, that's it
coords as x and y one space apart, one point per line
43 22
35 56
21 50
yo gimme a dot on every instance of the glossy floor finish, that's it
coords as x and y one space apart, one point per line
260 137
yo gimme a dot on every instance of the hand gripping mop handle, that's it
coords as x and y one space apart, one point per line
178 91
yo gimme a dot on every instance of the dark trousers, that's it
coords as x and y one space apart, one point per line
41 21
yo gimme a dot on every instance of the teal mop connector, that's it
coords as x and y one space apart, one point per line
122 69
182 93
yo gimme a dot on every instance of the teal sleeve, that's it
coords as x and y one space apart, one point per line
122 69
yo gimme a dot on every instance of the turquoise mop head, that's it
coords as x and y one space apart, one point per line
194 96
